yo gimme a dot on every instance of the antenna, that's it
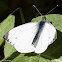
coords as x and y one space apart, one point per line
37 10
52 9
47 13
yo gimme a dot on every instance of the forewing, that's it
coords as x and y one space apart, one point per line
22 36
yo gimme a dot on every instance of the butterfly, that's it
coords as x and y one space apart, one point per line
32 36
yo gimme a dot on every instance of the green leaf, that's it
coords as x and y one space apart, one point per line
57 60
9 50
5 26
53 52
21 14
22 58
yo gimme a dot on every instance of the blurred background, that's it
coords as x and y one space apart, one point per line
8 6
29 12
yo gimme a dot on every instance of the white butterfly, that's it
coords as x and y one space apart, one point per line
32 37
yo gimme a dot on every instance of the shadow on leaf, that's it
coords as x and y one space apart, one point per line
15 54
30 54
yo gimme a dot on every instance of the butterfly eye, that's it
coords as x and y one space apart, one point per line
51 22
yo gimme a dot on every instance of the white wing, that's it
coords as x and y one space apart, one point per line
22 37
46 38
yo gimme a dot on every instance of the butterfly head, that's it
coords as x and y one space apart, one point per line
43 18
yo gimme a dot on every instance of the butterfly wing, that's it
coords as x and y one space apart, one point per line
22 36
47 35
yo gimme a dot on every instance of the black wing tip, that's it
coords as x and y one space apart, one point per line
5 36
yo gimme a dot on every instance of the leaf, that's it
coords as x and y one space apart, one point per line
21 14
5 26
57 60
21 58
53 52
7 51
